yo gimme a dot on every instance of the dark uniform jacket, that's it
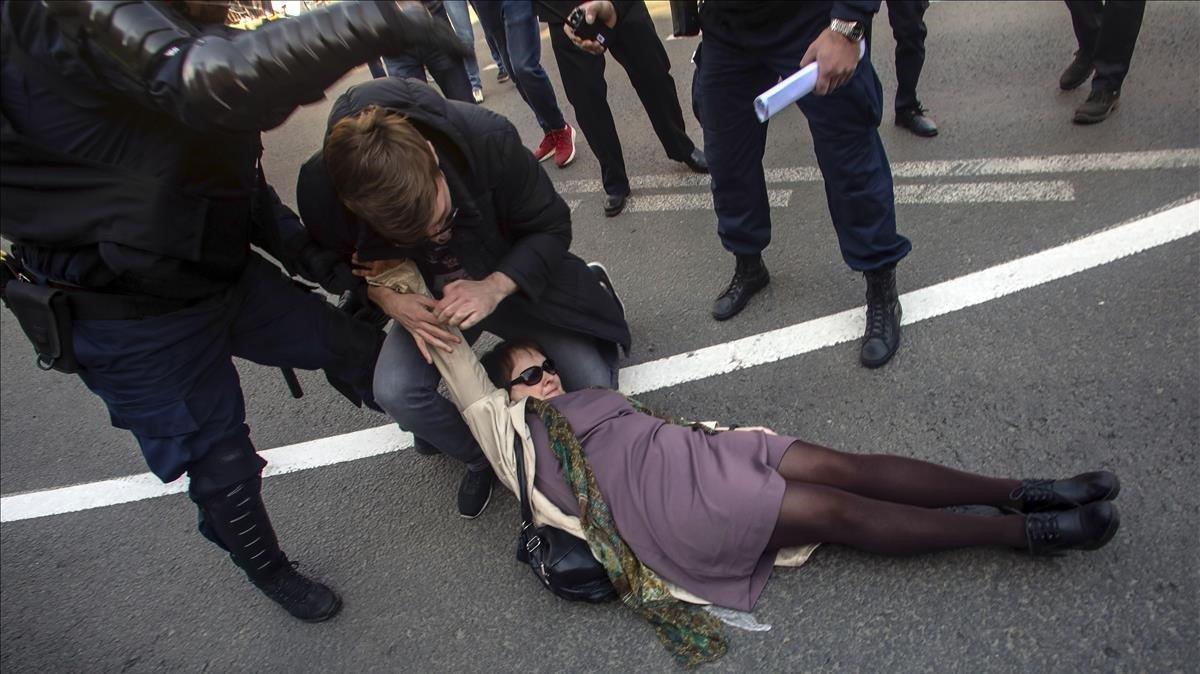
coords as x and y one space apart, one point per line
510 217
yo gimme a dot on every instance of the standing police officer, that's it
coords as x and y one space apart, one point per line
132 191
747 47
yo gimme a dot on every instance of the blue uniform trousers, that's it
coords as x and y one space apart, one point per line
844 126
171 380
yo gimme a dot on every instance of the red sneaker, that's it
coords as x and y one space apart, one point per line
564 146
546 149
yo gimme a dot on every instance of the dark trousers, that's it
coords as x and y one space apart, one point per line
171 381
908 27
1107 31
844 126
515 30
448 71
636 46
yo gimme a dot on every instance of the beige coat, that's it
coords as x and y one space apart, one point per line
493 420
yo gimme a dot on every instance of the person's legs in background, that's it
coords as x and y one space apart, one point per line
1119 27
907 18
460 19
727 81
1085 20
405 64
858 187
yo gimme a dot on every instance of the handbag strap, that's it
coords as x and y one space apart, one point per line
523 491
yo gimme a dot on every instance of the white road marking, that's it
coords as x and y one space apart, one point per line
641 203
1153 230
956 168
989 192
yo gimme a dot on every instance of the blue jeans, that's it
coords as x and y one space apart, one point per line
517 34
447 69
844 126
460 18
406 387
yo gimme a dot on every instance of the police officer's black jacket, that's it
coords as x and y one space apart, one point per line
131 136
510 217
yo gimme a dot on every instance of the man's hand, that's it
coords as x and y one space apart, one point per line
596 10
415 313
836 57
752 429
465 303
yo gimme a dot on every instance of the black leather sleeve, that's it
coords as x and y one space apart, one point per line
246 80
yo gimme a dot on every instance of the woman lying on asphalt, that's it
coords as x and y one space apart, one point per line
710 511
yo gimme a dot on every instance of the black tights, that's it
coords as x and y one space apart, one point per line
887 504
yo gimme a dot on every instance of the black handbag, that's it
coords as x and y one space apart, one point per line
563 563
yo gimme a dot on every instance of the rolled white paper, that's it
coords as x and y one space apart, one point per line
792 89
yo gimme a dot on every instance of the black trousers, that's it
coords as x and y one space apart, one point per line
908 27
636 46
1107 31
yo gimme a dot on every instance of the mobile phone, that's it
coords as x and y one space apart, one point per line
587 31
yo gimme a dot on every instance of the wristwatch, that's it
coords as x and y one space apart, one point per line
851 30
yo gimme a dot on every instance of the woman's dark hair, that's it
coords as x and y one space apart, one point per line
499 361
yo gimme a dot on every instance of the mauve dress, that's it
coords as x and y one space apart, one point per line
696 508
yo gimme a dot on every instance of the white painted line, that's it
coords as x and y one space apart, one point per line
641 203
990 192
956 168
572 204
1092 251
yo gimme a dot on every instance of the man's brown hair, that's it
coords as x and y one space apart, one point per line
384 172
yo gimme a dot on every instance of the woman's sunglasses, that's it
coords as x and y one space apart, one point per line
532 375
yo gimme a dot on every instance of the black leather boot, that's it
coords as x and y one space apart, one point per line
1088 527
882 336
749 276
237 519
1041 495
1077 73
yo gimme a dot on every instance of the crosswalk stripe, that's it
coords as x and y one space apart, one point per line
952 168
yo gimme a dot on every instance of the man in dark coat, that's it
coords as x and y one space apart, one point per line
407 174
132 191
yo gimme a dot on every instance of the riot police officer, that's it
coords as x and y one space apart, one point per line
132 191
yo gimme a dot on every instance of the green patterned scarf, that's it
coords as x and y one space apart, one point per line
691 634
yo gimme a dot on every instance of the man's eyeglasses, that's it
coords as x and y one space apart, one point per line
530 376
446 224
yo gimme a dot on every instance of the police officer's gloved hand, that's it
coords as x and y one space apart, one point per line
325 268
355 303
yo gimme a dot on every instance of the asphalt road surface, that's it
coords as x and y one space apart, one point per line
1095 368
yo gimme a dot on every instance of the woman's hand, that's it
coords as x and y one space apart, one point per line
757 429
369 269
415 313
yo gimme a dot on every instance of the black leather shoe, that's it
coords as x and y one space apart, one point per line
474 492
301 596
882 336
1077 73
1098 107
614 204
424 448
914 120
697 162
749 276
1040 495
1087 527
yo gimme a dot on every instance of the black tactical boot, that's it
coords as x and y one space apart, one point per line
1088 527
1040 495
1077 73
236 519
749 276
882 336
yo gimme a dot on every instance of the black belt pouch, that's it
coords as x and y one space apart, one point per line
45 316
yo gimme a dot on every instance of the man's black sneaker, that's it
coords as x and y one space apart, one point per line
915 120
474 492
882 336
1087 527
424 448
749 276
502 75
1098 107
1077 73
614 204
1041 495
601 273
299 595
